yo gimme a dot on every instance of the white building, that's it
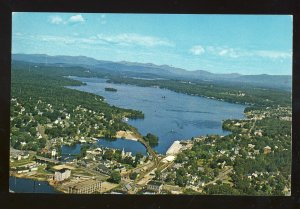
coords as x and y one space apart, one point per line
53 153
62 174
155 186
174 149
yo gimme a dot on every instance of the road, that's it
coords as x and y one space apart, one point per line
221 176
149 150
252 125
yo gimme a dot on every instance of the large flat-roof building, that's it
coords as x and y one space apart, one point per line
174 149
85 187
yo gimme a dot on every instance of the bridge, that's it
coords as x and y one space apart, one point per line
47 160
149 150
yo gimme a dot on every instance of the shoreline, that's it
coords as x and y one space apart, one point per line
49 181
128 135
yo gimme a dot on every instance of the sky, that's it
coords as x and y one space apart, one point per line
245 44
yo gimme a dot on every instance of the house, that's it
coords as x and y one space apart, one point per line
267 150
62 174
251 146
155 186
258 133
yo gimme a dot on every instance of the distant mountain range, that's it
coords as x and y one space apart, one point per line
149 70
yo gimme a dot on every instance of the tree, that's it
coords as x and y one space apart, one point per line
180 180
115 177
170 177
151 139
157 174
108 155
180 158
138 156
133 175
224 189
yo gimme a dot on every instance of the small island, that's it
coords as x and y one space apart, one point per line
110 89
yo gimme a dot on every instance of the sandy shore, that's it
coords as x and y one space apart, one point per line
127 135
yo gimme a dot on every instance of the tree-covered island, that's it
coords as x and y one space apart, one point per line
111 89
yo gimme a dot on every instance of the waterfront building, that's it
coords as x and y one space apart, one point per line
175 148
155 186
85 187
62 174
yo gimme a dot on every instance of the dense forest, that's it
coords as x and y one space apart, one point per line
41 105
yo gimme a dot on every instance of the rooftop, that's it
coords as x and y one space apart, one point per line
63 170
156 183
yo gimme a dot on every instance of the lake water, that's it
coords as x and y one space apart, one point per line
29 186
69 152
169 115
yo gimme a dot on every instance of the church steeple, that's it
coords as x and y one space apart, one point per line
123 153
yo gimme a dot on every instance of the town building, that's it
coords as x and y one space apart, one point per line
62 174
267 150
155 186
53 153
85 187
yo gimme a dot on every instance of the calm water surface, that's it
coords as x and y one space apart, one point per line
169 115
69 152
30 186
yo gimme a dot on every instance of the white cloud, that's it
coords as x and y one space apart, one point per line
197 50
76 19
224 51
56 20
273 54
72 20
134 39
57 39
18 34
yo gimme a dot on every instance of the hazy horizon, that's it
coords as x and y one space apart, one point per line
149 63
222 44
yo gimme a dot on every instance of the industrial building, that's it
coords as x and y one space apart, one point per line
85 187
